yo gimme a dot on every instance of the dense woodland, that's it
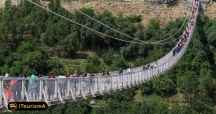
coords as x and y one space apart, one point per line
33 40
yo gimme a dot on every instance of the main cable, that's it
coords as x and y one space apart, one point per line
134 38
79 24
91 29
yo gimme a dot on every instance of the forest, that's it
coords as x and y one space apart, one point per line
32 40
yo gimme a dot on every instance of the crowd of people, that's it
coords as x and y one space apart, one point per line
187 32
11 90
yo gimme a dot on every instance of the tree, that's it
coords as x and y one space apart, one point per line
36 60
94 64
164 87
71 44
55 66
119 62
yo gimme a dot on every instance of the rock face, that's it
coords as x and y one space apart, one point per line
13 2
148 9
210 10
2 3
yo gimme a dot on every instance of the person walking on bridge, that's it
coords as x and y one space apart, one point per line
33 86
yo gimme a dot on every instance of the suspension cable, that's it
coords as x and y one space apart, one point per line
134 38
100 34
176 33
91 29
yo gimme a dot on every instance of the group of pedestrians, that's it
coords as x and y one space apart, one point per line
149 66
188 30
11 90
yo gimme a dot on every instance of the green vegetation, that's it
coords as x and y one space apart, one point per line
31 39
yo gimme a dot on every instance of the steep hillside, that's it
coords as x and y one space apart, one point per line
147 10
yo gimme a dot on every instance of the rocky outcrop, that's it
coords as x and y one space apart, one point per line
210 10
13 2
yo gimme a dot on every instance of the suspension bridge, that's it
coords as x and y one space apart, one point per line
59 90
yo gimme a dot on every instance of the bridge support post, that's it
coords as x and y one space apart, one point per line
122 81
82 89
135 80
104 84
4 96
24 95
135 77
149 74
44 93
126 80
73 95
119 82
145 76
59 95
92 87
101 85
55 90
110 87
111 84
73 91
92 92
68 87
131 80
40 89
22 91
25 90
76 92
97 82
3 99
140 78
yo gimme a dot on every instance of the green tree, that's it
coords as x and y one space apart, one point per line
164 87
71 44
